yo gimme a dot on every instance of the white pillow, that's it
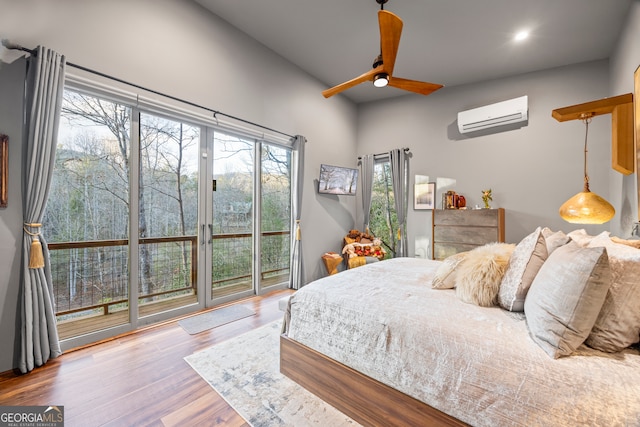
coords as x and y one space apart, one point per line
524 264
618 323
566 296
581 237
446 272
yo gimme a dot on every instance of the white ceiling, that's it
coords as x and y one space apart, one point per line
451 42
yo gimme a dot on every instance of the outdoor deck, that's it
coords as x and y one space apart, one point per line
91 323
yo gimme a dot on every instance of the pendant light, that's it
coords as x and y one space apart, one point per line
586 207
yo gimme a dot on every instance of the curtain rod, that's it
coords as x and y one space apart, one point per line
33 52
383 154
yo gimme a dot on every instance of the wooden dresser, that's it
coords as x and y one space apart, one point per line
459 230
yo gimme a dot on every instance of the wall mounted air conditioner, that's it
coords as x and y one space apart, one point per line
498 114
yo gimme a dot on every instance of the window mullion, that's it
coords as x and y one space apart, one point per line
134 215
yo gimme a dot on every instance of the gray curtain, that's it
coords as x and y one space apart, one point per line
366 165
43 98
296 275
399 161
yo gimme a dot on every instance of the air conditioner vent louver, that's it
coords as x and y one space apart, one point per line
499 114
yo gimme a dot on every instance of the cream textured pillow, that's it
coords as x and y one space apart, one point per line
580 237
632 243
554 239
446 272
618 324
524 264
479 275
566 296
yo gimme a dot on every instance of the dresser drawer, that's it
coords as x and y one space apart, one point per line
471 235
459 230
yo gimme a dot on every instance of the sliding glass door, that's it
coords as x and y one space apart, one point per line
250 216
275 223
167 214
152 216
87 215
232 224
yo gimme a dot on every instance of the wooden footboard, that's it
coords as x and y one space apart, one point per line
362 398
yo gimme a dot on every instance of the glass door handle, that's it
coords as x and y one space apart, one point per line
202 235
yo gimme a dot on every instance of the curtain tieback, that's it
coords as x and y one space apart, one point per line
36 258
298 230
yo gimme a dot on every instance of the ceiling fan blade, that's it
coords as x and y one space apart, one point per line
423 88
368 76
390 32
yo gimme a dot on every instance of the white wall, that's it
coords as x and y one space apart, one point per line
176 47
532 170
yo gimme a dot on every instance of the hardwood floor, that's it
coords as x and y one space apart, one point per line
138 379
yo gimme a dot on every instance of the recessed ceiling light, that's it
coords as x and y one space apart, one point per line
521 35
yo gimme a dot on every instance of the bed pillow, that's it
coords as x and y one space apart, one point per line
566 296
554 239
446 272
526 260
580 237
618 324
632 243
479 275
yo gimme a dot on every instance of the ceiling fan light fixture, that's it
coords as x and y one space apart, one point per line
381 80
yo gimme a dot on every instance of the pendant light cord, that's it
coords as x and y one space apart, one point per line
586 119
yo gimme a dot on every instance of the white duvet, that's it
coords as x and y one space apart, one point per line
476 364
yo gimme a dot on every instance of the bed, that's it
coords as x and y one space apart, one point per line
382 345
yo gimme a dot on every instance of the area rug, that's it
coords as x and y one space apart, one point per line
214 318
245 371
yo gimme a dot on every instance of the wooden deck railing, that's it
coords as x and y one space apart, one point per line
112 290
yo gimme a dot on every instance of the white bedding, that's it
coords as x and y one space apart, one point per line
476 364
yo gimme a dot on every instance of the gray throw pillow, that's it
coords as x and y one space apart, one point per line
566 297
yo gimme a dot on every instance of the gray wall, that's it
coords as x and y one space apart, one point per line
176 47
624 61
11 87
532 170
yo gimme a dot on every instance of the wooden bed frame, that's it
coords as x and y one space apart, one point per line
365 400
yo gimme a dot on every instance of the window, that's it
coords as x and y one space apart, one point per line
383 221
87 215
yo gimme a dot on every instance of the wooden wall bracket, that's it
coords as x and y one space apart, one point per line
621 109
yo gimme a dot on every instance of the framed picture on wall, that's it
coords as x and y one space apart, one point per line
424 194
4 165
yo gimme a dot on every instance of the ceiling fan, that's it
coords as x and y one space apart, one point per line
382 73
